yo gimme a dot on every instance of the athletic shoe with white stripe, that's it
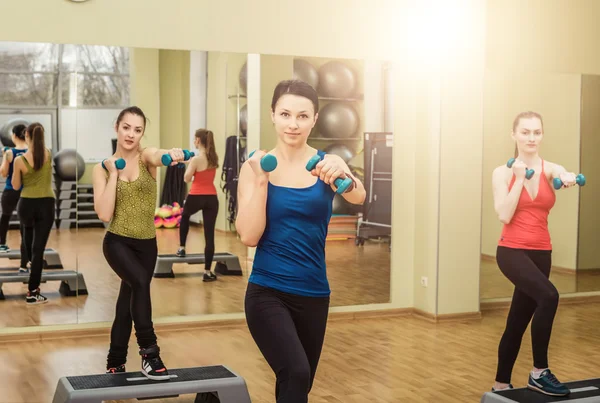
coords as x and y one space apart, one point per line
547 384
152 365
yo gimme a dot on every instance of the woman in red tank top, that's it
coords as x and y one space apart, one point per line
524 253
201 172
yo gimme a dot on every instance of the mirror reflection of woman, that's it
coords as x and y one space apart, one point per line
524 253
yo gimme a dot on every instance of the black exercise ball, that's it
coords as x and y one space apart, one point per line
337 80
69 165
244 120
337 120
306 72
340 205
6 131
243 79
340 150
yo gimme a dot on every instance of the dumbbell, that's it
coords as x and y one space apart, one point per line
268 162
528 172
341 184
579 179
167 160
6 149
120 163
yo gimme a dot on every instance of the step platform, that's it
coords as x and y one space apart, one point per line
72 282
586 391
227 264
210 384
51 257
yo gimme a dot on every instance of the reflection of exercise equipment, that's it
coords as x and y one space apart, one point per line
206 382
336 80
340 150
243 78
376 220
72 282
581 391
69 165
6 131
244 120
337 120
306 72
226 263
51 257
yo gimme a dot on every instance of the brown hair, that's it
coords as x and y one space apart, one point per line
525 115
295 87
38 144
134 110
207 139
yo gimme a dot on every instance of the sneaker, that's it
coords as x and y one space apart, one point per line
548 384
120 368
210 276
23 270
507 388
152 365
4 249
34 297
181 252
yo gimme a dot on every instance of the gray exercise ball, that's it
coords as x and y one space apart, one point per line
69 165
306 72
6 131
340 150
337 120
337 80
243 79
340 205
244 120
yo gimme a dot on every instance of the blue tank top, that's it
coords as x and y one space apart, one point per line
290 256
16 152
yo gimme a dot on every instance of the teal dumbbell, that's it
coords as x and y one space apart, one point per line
528 172
579 179
268 162
341 184
120 163
167 160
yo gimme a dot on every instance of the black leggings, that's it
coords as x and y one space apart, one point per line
133 260
9 200
529 271
37 218
289 331
209 204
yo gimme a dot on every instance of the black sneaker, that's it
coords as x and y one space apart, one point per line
152 365
548 384
4 249
507 388
181 252
210 276
34 297
120 368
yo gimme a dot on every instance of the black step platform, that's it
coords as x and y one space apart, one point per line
72 282
227 264
51 257
210 384
586 391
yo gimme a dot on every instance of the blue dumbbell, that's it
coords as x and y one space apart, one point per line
341 184
528 172
167 160
120 163
268 162
579 179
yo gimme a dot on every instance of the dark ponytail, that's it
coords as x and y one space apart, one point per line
207 139
38 144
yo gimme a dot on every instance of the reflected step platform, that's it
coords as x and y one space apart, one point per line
210 384
72 282
586 391
51 257
227 264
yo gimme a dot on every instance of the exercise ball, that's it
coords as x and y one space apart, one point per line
340 150
306 72
337 120
6 131
69 165
340 205
336 80
243 79
244 120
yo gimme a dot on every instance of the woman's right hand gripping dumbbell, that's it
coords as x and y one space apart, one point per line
113 165
262 163
520 169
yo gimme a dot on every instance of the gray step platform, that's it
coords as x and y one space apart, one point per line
51 257
586 391
72 282
227 264
206 382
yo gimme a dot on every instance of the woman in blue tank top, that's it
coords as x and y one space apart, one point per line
285 214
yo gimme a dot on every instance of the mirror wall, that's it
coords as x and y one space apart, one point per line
77 91
568 104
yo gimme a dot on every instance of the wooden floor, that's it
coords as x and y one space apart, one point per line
493 284
357 275
367 360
